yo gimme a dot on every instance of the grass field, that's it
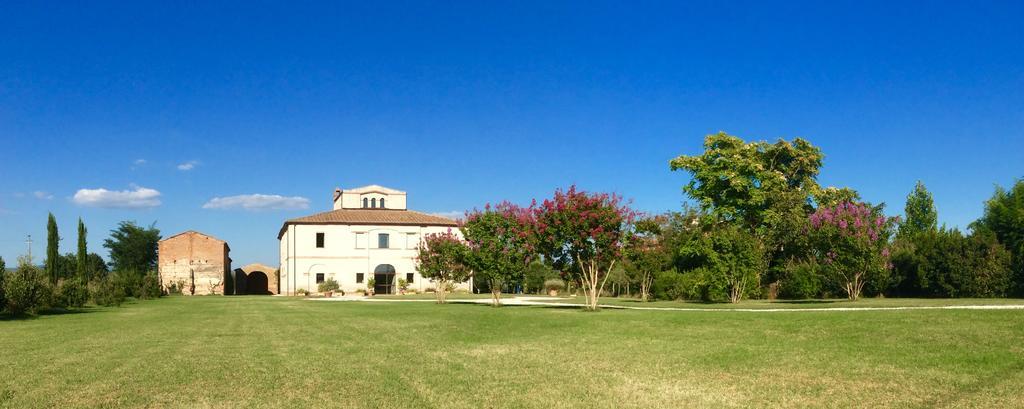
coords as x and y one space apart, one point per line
285 352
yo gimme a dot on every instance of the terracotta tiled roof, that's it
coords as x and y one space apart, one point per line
372 217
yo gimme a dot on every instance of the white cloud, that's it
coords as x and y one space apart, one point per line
454 214
188 165
138 197
258 202
39 194
139 162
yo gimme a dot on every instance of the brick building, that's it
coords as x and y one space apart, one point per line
196 263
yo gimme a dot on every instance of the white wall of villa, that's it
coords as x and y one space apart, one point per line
346 245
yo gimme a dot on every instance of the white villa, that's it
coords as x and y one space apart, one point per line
369 234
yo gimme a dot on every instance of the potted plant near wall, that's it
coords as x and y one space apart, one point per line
328 287
403 285
369 286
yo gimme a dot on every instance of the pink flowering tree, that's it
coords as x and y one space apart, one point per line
851 243
501 245
441 257
583 234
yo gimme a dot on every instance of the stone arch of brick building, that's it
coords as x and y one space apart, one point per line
252 276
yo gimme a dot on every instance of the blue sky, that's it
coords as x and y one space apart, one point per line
462 104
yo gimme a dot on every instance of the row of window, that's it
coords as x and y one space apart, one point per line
361 276
372 203
383 240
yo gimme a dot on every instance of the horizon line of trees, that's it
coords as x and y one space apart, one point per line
762 228
75 279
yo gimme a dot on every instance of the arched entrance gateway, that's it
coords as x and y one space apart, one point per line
256 279
383 279
256 283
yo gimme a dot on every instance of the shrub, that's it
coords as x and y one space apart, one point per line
537 274
554 284
149 287
403 284
802 281
107 291
72 292
302 291
26 290
175 288
669 285
328 285
3 270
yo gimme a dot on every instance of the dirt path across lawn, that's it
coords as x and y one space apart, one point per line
546 302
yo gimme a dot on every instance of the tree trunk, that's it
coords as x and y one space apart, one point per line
495 296
442 292
645 287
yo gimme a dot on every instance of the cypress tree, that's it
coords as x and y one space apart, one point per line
52 252
83 255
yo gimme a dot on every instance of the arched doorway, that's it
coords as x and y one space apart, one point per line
256 283
383 279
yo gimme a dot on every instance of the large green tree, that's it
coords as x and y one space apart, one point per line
920 213
133 248
738 181
52 262
82 258
731 257
500 245
1004 217
766 188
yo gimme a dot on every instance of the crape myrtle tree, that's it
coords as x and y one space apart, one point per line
441 257
583 234
851 243
646 254
501 245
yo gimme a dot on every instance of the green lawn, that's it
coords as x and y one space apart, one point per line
290 352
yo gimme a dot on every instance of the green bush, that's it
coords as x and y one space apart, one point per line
554 284
537 274
669 285
26 290
107 291
175 288
3 270
801 281
945 263
149 287
328 285
72 292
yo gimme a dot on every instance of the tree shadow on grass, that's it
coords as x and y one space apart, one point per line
47 312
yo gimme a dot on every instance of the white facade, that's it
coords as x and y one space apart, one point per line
354 244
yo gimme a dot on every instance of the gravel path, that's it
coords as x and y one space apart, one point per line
546 302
